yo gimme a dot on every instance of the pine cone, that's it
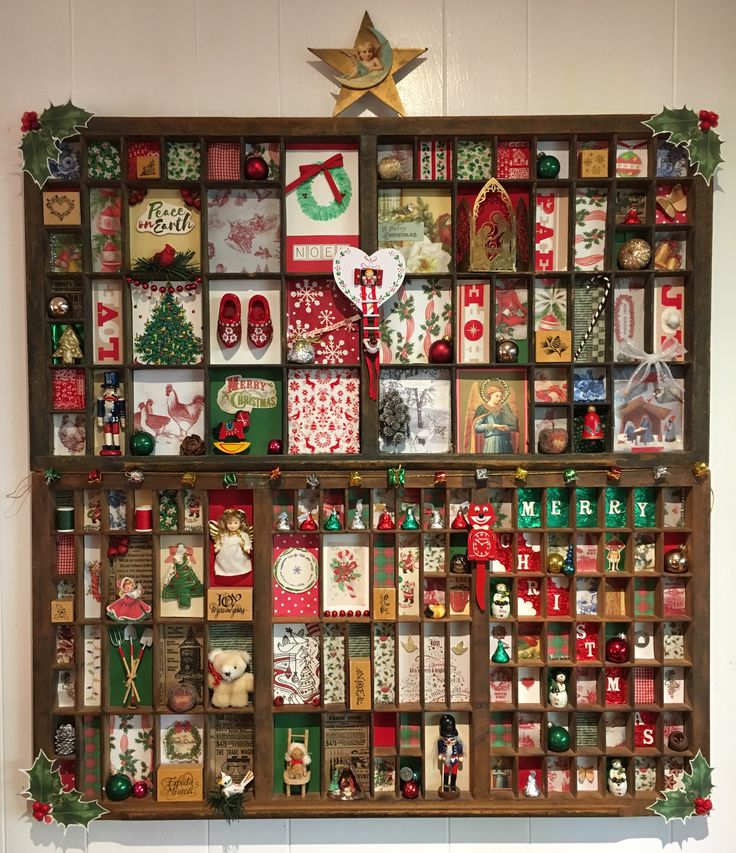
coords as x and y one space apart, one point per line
65 739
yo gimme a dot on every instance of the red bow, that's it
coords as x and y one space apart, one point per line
311 170
182 727
216 676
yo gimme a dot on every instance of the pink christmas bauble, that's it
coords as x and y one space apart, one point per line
140 790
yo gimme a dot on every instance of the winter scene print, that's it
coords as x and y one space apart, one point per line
169 405
418 419
244 231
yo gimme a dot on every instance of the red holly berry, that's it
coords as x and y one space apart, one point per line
29 121
713 117
703 114
704 125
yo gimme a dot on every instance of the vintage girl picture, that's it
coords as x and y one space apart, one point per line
491 412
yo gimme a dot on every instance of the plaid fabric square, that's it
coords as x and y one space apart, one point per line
644 685
558 646
91 766
65 556
501 731
644 598
409 736
223 161
384 571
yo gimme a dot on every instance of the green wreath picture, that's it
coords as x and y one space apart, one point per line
183 742
311 208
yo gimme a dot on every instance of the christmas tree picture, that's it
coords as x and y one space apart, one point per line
168 335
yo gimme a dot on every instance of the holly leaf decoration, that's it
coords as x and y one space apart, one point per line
71 810
698 782
63 121
38 148
680 125
676 804
704 150
44 783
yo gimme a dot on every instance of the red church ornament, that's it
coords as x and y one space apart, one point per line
592 427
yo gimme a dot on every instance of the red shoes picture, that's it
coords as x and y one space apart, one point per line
229 328
260 328
228 320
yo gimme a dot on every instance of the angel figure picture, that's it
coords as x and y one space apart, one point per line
493 416
372 58
233 541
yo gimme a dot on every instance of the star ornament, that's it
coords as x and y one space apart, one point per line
369 66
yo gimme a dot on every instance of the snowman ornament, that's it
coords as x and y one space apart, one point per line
501 602
617 783
558 691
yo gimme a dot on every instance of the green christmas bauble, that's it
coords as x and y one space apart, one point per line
142 443
118 787
548 167
558 738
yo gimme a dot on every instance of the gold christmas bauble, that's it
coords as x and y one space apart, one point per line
389 169
555 562
635 254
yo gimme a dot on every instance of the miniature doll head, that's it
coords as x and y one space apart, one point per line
126 585
231 520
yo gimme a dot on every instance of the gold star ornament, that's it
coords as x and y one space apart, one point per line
370 66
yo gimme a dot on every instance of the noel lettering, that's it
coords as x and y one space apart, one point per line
161 219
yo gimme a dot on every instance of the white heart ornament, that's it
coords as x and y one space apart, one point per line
349 259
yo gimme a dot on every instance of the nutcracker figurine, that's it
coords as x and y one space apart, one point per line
111 413
449 757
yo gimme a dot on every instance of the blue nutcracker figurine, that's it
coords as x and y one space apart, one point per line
111 413
449 757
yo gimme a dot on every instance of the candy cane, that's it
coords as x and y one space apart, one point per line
596 314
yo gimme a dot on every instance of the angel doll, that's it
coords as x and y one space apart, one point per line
233 540
129 606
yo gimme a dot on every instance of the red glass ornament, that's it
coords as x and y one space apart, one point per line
140 789
350 614
460 522
342 614
632 217
256 168
441 351
385 522
410 790
592 427
278 701
617 649
275 446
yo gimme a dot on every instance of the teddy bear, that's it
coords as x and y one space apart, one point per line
297 761
228 677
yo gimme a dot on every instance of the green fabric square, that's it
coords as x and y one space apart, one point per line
586 507
616 515
644 597
558 645
558 507
474 160
530 508
183 161
501 731
103 161
384 571
644 507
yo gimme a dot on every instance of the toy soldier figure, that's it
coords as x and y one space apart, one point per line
449 757
111 413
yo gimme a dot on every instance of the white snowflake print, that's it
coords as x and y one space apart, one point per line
332 351
307 293
326 317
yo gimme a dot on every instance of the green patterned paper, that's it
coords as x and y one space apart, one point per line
103 161
616 515
586 507
183 161
644 507
530 508
558 507
474 160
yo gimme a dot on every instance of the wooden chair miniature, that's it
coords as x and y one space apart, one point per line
303 780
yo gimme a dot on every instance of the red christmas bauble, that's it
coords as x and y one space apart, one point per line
256 168
617 649
441 351
140 789
275 446
410 790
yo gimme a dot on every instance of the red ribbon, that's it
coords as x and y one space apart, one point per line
216 676
311 170
182 727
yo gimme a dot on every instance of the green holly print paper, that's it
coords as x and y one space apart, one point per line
103 161
474 160
183 161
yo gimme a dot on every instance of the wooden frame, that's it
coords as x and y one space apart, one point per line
545 472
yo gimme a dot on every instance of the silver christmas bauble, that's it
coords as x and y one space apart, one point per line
507 352
58 306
